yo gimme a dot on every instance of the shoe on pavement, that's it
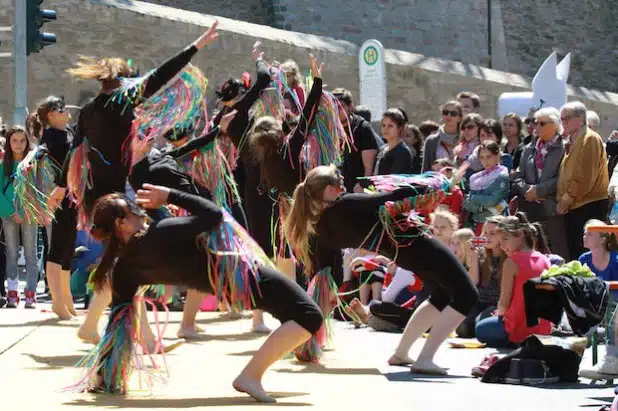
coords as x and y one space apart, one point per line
30 300
2 302
605 369
486 364
12 300
188 333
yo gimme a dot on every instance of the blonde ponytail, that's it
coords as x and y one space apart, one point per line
299 225
106 70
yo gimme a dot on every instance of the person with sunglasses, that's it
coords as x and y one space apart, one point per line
536 182
470 130
442 143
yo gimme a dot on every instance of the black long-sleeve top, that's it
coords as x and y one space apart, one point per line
353 220
159 169
242 106
106 122
56 144
168 252
282 170
195 144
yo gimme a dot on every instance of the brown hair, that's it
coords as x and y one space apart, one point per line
454 103
518 122
306 210
266 139
533 233
396 115
471 118
106 70
490 146
476 101
34 127
106 211
494 127
8 160
428 128
488 256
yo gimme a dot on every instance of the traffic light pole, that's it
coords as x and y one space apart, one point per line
20 62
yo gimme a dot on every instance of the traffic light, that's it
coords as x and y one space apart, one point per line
35 18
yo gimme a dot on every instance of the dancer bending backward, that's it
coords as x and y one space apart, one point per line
167 252
103 126
152 166
340 220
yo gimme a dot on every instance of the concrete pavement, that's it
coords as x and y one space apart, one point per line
38 354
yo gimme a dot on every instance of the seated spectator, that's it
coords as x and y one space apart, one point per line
520 240
602 259
488 188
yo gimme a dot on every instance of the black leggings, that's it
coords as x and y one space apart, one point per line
440 271
63 235
393 313
286 301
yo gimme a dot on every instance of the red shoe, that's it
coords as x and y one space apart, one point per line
486 364
12 300
30 299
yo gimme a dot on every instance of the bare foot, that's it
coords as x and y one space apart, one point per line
260 328
350 312
253 388
359 310
428 368
400 360
87 336
62 312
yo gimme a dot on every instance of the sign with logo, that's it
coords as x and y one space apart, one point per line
372 73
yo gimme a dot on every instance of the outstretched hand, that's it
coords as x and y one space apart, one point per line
316 66
151 196
208 37
256 53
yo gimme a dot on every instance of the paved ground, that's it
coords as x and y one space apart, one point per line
38 353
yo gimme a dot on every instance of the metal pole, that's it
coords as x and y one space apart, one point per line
489 31
20 62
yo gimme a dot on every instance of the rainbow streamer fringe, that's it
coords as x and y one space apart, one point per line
270 104
33 182
119 353
235 259
323 290
182 101
79 179
398 217
210 168
327 139
277 234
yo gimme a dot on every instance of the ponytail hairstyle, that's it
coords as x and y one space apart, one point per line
46 106
107 210
519 225
266 139
540 240
107 71
34 127
307 206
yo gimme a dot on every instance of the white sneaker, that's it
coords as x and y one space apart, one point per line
607 368
188 333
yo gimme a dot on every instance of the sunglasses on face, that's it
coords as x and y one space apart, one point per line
451 113
529 121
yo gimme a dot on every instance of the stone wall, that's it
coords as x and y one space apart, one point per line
253 11
150 33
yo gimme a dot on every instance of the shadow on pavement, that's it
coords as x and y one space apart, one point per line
114 401
242 354
56 322
321 369
55 362
248 336
408 376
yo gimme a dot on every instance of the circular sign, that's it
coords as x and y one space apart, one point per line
370 56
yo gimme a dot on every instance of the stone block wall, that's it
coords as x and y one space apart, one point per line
149 34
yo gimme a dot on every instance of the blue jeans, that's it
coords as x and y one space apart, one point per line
491 331
29 238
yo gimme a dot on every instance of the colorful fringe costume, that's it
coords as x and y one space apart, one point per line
33 182
182 101
79 180
398 217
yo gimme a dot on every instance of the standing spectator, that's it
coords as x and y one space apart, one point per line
530 128
583 181
536 182
13 222
442 143
358 160
364 112
428 128
395 157
295 81
469 130
470 102
414 139
512 126
593 120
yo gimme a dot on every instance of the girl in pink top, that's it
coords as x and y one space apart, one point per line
526 247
